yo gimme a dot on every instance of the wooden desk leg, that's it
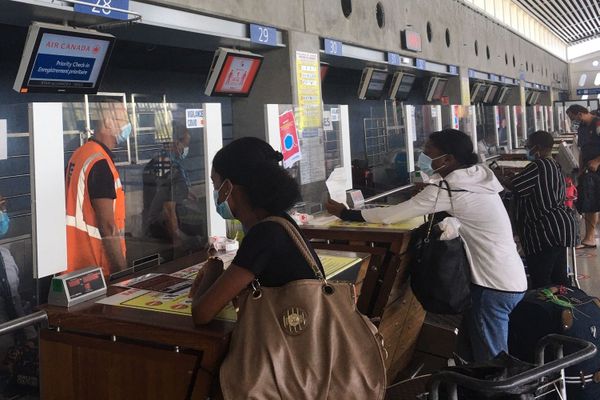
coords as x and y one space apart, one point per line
207 379
393 267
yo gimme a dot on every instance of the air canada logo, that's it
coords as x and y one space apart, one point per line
96 49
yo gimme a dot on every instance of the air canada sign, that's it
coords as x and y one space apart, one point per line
74 47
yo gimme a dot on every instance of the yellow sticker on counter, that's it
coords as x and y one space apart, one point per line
409 224
173 304
334 265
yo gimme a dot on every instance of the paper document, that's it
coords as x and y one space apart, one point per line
336 185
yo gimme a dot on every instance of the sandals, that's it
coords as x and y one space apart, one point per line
585 246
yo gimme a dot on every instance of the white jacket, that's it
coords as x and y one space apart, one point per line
485 226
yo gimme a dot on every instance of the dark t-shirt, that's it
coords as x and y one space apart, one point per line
272 256
101 183
589 139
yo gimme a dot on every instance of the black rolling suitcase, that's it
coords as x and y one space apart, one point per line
567 311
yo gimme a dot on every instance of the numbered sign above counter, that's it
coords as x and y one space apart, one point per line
263 35
332 47
97 8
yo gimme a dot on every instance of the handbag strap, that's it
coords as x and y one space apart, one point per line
439 185
300 244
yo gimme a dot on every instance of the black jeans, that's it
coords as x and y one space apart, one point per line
548 267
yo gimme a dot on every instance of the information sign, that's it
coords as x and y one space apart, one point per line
263 35
93 8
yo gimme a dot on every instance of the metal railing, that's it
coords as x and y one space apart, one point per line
453 379
38 317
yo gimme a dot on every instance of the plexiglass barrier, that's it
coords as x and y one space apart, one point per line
162 169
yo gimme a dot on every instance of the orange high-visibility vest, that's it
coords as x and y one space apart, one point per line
84 243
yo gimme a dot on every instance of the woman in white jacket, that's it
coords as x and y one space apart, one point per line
497 272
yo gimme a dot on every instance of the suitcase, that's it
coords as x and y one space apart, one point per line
564 310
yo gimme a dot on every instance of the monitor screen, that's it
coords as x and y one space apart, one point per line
372 84
480 94
475 91
324 69
503 95
440 89
491 94
61 59
233 72
401 86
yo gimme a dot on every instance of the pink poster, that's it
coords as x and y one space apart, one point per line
290 147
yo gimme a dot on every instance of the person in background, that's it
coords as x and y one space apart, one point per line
167 192
588 140
497 272
546 228
95 197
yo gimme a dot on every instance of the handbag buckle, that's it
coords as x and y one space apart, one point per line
294 320
256 292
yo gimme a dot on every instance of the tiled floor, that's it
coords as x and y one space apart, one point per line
588 268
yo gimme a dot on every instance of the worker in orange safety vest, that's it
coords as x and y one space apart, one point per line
95 197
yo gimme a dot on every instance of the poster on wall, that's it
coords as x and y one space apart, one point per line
312 165
290 146
309 90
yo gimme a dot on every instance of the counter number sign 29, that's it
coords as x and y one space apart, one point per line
263 35
102 8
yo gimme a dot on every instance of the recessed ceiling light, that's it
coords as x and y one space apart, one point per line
595 63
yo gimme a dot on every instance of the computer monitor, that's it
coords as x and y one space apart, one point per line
435 88
62 59
401 86
232 73
490 94
503 94
372 83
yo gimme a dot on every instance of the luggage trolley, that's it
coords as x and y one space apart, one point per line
452 380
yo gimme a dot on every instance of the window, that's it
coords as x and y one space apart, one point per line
380 15
582 80
347 8
597 79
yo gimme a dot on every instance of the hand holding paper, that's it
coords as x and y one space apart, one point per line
336 185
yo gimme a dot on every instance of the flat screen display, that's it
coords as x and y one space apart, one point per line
491 94
59 59
440 89
372 83
84 284
232 73
401 86
324 69
478 98
504 92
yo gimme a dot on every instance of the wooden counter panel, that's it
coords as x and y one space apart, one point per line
400 327
90 368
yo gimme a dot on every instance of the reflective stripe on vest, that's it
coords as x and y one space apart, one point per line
78 221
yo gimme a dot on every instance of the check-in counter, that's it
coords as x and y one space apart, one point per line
103 350
385 291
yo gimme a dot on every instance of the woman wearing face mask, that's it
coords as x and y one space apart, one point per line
250 185
497 273
546 228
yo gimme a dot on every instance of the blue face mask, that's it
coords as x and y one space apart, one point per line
4 223
424 163
530 155
124 134
222 208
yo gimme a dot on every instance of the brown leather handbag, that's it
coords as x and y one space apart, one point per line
303 340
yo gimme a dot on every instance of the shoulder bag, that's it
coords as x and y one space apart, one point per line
303 340
440 274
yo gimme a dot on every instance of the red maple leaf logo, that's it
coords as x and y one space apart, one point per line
96 49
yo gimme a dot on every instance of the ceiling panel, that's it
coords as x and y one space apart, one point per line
573 21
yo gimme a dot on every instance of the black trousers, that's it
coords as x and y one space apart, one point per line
548 267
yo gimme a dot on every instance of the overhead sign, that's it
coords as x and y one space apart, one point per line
411 40
332 47
394 58
290 145
453 69
263 35
471 73
420 64
93 8
589 92
494 78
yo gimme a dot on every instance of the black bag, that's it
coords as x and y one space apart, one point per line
572 313
588 189
440 275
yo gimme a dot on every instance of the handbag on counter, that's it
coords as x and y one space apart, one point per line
303 340
440 274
